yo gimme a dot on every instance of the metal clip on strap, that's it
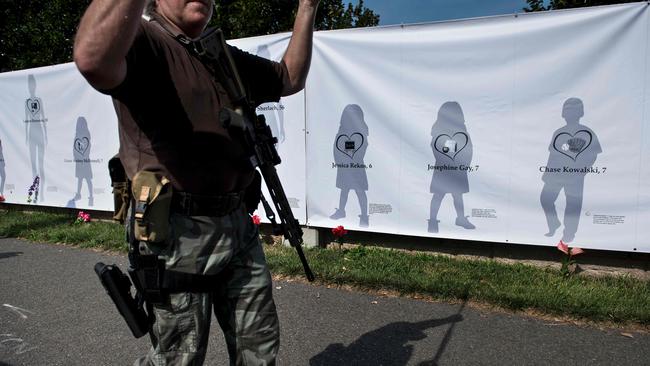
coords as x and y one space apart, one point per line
142 203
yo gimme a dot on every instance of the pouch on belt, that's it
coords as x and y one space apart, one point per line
120 184
152 194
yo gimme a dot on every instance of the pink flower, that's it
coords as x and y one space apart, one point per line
339 231
576 251
561 246
82 217
256 220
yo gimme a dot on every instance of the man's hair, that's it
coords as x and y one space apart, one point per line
149 7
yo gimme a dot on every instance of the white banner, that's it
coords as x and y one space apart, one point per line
54 126
526 129
577 127
516 129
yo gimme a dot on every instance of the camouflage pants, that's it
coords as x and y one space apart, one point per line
242 301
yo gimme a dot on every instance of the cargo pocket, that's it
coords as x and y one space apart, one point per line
176 324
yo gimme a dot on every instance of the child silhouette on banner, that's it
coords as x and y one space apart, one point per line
350 148
35 133
452 149
573 146
81 152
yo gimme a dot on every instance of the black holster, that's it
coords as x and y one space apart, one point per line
118 287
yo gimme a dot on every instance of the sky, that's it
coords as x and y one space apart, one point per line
419 11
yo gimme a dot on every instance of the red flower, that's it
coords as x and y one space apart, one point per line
561 246
2 198
256 220
576 251
339 231
564 248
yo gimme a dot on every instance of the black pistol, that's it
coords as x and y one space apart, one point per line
118 287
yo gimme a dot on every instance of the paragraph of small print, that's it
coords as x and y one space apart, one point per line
608 219
293 202
379 208
485 213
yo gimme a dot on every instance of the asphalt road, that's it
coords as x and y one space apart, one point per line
54 311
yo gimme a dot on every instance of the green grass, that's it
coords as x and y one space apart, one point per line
60 228
622 300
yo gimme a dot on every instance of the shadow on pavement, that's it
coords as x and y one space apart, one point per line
387 345
9 255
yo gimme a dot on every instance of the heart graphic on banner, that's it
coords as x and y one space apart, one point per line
33 105
572 145
451 145
349 145
81 145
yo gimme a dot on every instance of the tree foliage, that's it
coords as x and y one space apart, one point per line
245 18
332 15
538 5
38 33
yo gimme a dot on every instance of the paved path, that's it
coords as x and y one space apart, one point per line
53 311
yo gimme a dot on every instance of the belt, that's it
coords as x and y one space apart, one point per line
190 204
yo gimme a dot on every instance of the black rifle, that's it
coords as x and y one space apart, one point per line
252 132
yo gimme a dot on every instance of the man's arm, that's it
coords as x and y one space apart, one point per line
298 55
106 32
